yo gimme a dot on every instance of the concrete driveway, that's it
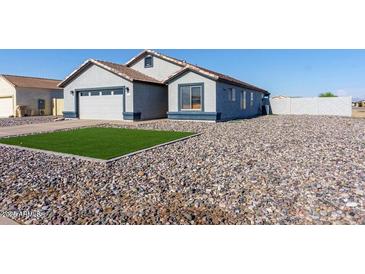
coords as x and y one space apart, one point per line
46 127
7 221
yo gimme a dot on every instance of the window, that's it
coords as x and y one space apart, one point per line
251 101
95 93
84 93
243 99
191 97
106 92
148 62
232 94
118 92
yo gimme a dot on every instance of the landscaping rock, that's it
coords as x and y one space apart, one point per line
9 122
266 170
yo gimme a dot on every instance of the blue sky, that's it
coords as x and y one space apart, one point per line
282 72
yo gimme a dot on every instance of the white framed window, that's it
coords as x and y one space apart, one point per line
251 100
232 94
191 97
243 99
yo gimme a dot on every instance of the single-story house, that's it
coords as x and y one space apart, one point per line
360 103
21 95
152 85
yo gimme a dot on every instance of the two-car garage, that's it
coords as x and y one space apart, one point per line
103 104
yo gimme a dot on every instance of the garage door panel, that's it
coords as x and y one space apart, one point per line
100 105
6 107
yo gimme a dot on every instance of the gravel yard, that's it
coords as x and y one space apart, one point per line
267 170
9 122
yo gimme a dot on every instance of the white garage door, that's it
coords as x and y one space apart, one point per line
6 107
101 105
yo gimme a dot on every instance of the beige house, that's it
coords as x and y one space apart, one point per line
360 103
29 96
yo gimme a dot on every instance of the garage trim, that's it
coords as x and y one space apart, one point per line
135 116
76 97
12 103
69 114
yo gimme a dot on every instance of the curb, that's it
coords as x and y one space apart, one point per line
7 221
53 153
149 148
67 155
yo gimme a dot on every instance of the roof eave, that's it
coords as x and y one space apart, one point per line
8 81
54 88
135 58
84 65
73 73
114 71
200 72
244 86
192 68
156 54
149 82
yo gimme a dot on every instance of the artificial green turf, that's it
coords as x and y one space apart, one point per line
98 142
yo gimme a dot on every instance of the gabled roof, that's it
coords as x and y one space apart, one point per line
118 69
31 82
157 54
187 66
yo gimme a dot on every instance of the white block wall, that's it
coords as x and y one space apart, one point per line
340 106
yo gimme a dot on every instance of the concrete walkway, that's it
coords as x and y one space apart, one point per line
46 127
66 124
7 221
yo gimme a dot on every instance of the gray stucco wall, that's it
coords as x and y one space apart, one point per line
150 100
96 77
193 78
232 110
216 99
161 69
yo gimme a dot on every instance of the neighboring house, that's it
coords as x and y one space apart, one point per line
153 85
360 103
31 95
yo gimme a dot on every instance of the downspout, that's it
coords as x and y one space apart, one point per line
125 89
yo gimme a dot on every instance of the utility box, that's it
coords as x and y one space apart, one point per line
41 106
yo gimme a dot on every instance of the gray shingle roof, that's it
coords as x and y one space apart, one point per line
187 66
118 69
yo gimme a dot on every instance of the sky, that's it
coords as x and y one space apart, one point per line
281 72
